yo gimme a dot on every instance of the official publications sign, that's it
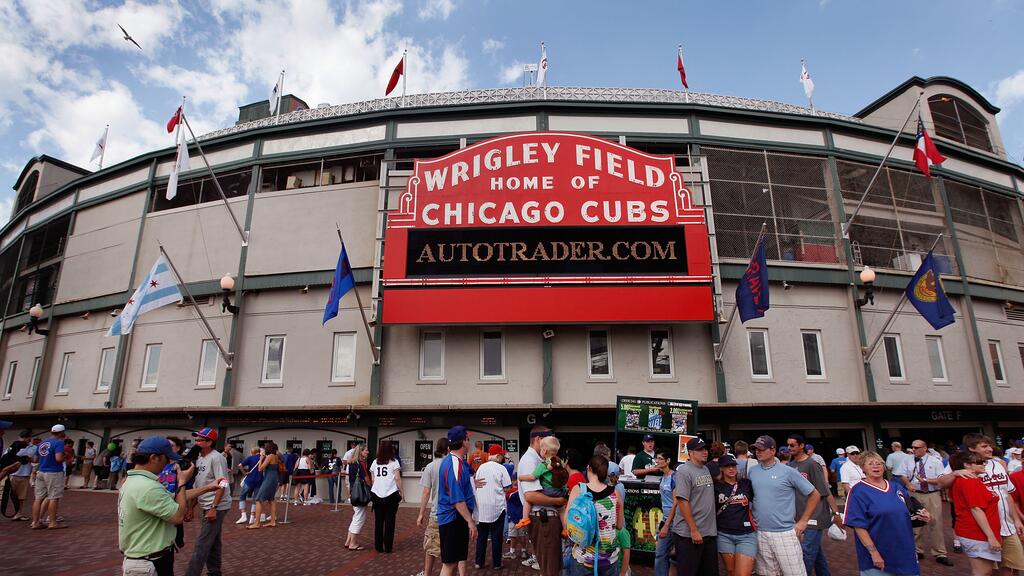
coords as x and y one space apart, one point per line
546 227
665 416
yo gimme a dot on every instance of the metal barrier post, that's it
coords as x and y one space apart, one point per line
337 495
287 503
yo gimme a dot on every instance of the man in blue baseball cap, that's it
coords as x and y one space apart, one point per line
148 512
456 501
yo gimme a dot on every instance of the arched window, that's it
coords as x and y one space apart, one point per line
27 192
956 120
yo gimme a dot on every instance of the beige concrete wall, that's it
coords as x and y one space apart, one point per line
763 133
22 348
103 239
619 124
993 325
52 178
308 353
294 230
84 338
114 182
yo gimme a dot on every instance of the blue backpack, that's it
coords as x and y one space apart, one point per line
581 522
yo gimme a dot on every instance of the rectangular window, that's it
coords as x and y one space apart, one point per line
599 349
208 365
273 360
151 368
894 357
36 365
814 366
936 358
1020 350
996 354
106 376
662 365
9 383
344 365
760 355
65 373
492 355
432 355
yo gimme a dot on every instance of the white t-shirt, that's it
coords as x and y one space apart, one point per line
303 463
626 465
490 500
384 475
850 473
350 455
527 464
1014 465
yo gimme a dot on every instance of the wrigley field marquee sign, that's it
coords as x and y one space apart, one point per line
546 227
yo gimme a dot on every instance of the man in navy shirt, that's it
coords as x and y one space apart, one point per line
50 477
455 503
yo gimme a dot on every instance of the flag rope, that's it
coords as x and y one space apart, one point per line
720 352
359 303
223 197
192 301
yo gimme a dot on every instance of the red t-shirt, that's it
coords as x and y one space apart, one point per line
971 493
1017 478
574 479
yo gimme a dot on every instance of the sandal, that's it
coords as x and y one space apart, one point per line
253 527
57 527
270 524
357 548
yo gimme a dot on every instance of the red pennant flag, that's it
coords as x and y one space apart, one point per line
925 153
682 71
173 122
399 70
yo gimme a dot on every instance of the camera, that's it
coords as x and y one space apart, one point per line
189 457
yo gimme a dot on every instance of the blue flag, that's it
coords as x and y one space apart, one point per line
926 294
752 293
343 281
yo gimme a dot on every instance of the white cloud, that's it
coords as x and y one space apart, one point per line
1010 90
511 74
66 23
490 46
436 9
6 205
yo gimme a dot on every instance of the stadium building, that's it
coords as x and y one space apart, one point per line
502 342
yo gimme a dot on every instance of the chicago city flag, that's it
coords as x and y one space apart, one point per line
925 153
343 281
752 293
156 290
926 294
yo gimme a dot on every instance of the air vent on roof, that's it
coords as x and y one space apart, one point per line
1014 312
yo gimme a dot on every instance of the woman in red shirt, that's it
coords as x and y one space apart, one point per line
977 515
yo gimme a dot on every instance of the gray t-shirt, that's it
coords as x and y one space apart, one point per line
208 469
821 519
775 496
695 485
430 479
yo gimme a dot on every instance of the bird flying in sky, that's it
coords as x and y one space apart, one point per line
128 37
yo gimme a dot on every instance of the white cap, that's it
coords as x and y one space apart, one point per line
840 451
852 448
57 428
1014 450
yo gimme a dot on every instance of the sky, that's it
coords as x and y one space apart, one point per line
67 71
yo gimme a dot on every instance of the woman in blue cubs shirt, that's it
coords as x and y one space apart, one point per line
877 511
737 536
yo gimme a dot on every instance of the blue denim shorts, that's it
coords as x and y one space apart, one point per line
745 544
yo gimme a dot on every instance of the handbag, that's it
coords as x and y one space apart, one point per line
914 507
360 492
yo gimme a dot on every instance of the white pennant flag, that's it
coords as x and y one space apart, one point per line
157 289
275 94
181 164
805 79
101 147
542 67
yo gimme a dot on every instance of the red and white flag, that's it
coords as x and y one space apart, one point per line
682 70
181 164
395 75
542 66
925 153
174 121
805 79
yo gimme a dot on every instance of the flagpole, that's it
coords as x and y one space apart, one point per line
224 353
863 197
686 89
103 150
244 236
870 350
405 74
359 303
736 308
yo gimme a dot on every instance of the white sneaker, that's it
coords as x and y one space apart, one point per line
252 519
531 562
264 517
510 555
421 573
243 519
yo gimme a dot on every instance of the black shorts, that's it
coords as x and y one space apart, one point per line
454 540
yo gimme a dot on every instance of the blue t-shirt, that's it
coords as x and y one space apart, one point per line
884 514
290 460
514 506
456 485
836 464
169 478
254 477
47 452
667 489
774 496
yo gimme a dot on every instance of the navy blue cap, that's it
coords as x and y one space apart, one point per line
457 434
5 424
157 445
648 437
726 460
696 444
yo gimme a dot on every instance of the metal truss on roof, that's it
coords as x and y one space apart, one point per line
529 94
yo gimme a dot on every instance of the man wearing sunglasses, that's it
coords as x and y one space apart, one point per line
211 466
920 474
851 473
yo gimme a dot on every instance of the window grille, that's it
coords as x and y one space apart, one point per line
956 120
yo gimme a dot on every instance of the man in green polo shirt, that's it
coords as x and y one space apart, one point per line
147 512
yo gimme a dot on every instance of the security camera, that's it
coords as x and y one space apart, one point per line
786 285
548 334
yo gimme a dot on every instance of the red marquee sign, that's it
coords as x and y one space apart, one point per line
546 227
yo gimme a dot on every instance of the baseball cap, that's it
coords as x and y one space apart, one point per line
726 460
496 449
840 451
1014 450
157 445
57 428
808 447
696 444
458 434
648 437
208 433
851 448
541 433
614 470
784 450
5 424
26 433
765 442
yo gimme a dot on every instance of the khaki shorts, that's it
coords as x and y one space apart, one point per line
432 539
49 485
1013 553
19 485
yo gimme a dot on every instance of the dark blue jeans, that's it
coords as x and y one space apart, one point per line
814 557
492 530
332 487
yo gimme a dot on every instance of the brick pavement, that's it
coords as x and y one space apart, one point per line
310 545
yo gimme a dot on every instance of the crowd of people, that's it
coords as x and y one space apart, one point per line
760 508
